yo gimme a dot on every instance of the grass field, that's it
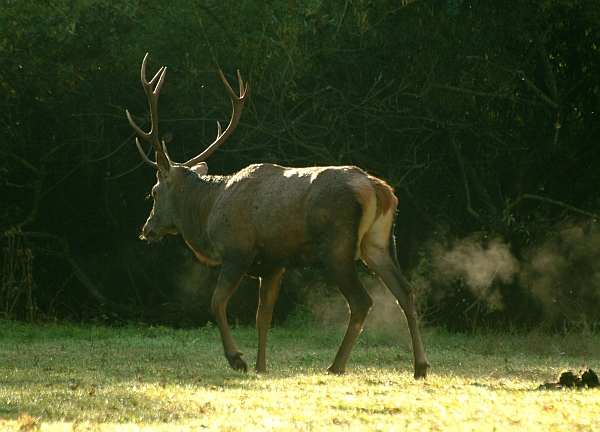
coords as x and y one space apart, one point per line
74 378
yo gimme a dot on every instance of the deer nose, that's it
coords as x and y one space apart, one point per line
148 234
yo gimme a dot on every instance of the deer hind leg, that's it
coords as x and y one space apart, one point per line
229 278
344 276
360 304
381 259
334 217
268 292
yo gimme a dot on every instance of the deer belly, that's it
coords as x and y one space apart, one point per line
283 254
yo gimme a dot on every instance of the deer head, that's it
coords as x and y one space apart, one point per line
161 220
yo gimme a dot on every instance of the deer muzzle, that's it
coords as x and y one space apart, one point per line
148 234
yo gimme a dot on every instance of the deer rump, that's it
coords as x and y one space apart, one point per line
272 216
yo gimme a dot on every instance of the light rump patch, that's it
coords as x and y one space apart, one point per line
378 204
367 198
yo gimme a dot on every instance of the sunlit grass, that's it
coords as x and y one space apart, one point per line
96 378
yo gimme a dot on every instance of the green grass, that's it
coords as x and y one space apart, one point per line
94 378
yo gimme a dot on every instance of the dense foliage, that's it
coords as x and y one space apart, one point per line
482 115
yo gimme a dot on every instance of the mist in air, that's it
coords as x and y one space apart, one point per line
561 273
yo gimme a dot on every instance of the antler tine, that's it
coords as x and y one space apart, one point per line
150 83
243 90
136 127
238 104
157 76
144 157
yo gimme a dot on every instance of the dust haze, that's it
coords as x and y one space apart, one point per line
384 324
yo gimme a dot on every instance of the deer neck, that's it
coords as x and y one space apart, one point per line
193 201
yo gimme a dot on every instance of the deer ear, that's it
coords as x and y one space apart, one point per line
163 164
201 168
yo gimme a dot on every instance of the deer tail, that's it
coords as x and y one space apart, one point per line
386 200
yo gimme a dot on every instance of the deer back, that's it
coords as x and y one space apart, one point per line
283 215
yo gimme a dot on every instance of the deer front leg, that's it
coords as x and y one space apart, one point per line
268 292
229 278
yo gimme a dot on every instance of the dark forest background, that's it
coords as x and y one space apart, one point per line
484 117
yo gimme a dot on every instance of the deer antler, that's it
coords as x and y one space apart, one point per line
163 162
238 105
152 90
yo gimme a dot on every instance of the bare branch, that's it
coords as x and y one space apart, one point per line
493 95
39 194
469 209
550 81
551 201
537 91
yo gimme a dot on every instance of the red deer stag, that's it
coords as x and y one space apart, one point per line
266 217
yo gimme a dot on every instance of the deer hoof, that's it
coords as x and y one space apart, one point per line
421 370
334 371
238 364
